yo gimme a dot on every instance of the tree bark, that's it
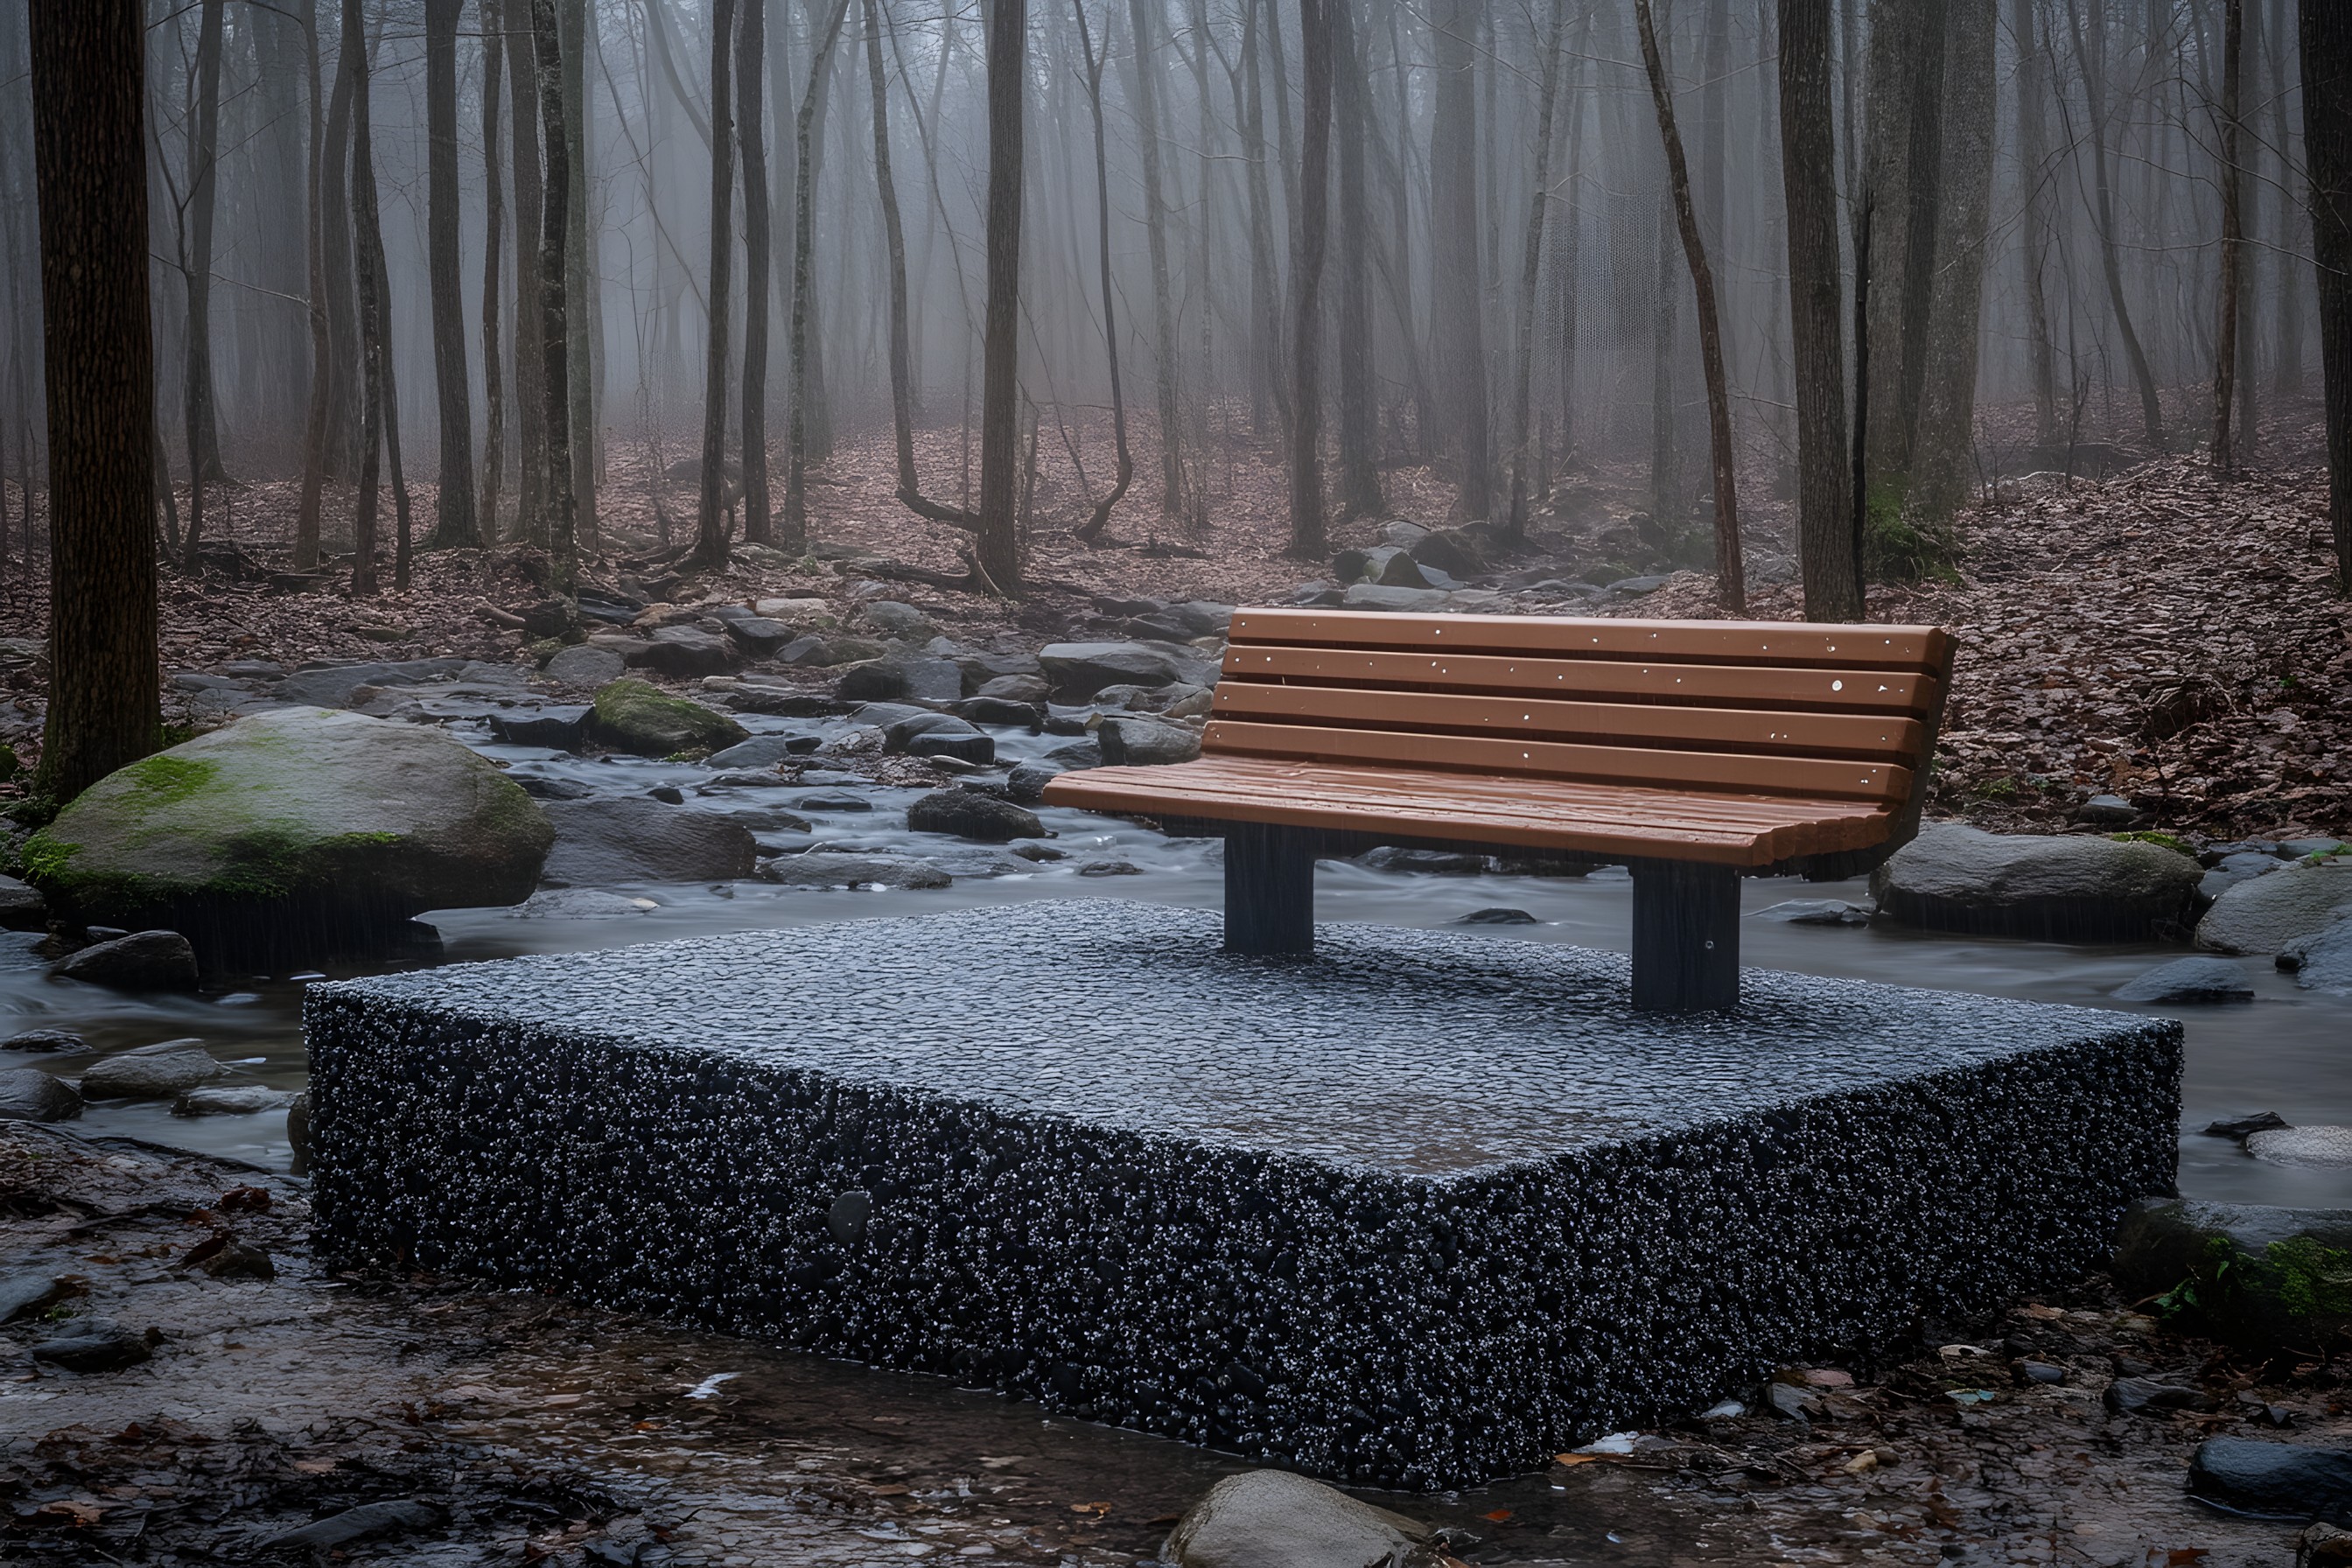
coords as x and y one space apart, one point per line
712 514
998 557
1155 220
794 535
1729 573
89 160
2033 176
454 522
1359 473
2091 52
324 371
555 336
1316 28
2326 37
580 291
494 241
1943 439
1266 308
1457 326
342 301
531 397
1091 530
1827 560
751 58
204 193
1530 274
2233 240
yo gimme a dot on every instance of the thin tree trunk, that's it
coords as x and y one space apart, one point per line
454 522
367 226
556 337
1729 573
1530 274
795 536
324 371
1360 474
998 557
713 514
1091 530
2327 38
2033 176
2233 240
2286 375
1155 220
1265 307
1827 560
89 161
494 229
2091 51
530 311
204 201
1315 47
343 302
1943 433
750 52
1457 324
579 288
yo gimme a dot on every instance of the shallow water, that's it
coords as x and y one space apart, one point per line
2287 1052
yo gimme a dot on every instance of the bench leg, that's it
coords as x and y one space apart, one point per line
1269 889
1685 937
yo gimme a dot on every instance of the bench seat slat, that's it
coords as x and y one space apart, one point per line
1562 815
1924 649
1879 738
1697 771
1705 685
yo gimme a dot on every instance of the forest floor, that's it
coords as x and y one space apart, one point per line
259 1394
2158 635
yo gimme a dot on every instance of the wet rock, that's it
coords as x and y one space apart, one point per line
899 679
401 1516
632 716
1109 868
967 813
2323 1546
28 1094
22 908
685 653
2312 1148
1394 857
1075 671
2108 811
2029 1372
2263 1278
1393 600
1087 753
938 734
98 1348
578 904
2243 866
2273 1481
332 686
2270 912
669 794
2187 982
584 666
839 868
2068 888
758 636
161 1071
900 621
834 803
563 728
2323 962
765 750
291 834
1498 916
1273 1519
1146 743
1816 912
22 1295
1001 711
829 652
599 842
297 1135
143 961
2155 1396
539 786
2240 1130
232 1099
1027 784
35 1042
223 1257
1030 691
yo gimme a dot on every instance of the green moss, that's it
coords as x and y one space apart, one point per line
165 780
2312 1281
46 858
634 716
1895 549
2162 840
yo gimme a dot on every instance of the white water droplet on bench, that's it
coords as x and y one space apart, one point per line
1840 686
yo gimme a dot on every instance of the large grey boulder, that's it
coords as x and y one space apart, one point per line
2187 982
2322 962
161 1071
2267 913
291 834
143 961
1075 671
1272 1518
638 839
2069 887
28 1094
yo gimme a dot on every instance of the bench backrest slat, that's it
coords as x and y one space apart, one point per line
1826 713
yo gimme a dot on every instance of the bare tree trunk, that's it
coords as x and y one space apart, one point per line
1457 324
453 523
2091 51
1729 572
2286 375
1827 560
1091 530
1155 220
750 52
324 371
1530 270
367 226
342 303
794 537
494 229
203 200
2326 39
1360 474
998 557
1314 50
713 515
531 310
2233 240
555 338
1942 441
89 160
578 275
2033 177
1266 308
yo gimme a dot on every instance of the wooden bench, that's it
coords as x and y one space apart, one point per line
1691 752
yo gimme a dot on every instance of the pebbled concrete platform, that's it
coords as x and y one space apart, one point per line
1421 1210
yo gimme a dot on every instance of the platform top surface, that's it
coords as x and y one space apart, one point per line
1406 1051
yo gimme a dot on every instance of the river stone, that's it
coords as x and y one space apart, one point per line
687 652
99 1347
1816 912
841 869
561 727
333 686
28 1094
902 622
2065 887
2189 981
143 961
1273 1519
2240 866
21 905
900 733
765 750
638 839
2324 961
231 1100
2316 1148
2267 913
1028 689
290 834
1025 786
2263 1278
758 635
1146 743
1075 671
45 1042
585 666
967 813
161 1071
1393 600
632 716
2273 1481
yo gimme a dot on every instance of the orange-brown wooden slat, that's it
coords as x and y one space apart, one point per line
1875 737
1727 685
1826 780
1795 643
1560 814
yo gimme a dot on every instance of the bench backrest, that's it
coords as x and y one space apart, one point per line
1794 709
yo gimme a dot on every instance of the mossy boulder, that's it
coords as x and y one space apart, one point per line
633 716
2265 1280
289 835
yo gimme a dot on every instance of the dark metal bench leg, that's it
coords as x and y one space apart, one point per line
1685 937
1269 889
